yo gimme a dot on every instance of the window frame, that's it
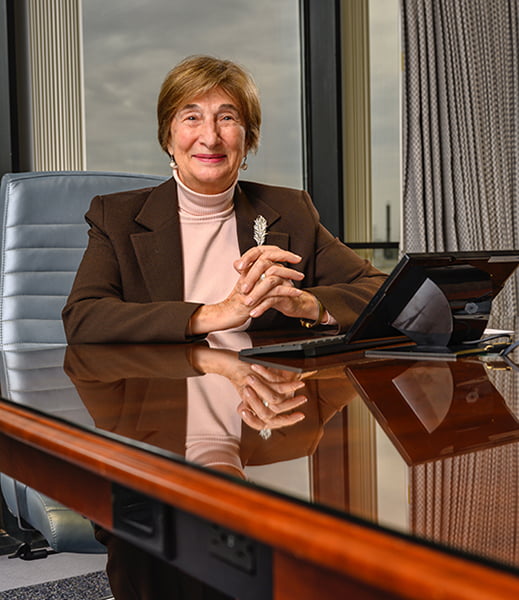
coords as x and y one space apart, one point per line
322 109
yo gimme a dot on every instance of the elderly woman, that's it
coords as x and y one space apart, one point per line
203 252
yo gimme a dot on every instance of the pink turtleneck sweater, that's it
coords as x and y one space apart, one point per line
209 244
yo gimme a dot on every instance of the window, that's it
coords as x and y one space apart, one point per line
118 52
371 128
129 46
385 126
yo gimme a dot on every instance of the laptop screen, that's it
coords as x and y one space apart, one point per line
437 299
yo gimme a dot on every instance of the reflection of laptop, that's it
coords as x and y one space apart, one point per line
435 410
428 391
436 299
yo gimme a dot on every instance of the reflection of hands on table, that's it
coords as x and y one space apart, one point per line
269 396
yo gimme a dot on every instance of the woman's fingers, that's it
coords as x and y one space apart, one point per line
274 254
276 422
276 299
263 276
269 289
267 404
278 397
266 266
262 261
277 375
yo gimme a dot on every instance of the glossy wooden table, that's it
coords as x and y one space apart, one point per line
451 428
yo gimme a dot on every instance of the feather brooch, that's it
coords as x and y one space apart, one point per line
260 230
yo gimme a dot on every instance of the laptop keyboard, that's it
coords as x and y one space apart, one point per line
320 346
316 346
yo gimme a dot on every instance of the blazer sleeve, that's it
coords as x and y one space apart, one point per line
342 280
102 309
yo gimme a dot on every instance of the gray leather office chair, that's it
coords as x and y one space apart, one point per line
42 238
34 376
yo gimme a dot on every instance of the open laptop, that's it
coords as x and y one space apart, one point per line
437 300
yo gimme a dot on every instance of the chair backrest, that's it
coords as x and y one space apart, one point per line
42 238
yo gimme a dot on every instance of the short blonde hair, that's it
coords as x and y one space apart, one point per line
197 75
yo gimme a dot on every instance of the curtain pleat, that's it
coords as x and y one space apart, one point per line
469 502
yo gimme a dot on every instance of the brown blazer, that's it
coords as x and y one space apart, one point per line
129 285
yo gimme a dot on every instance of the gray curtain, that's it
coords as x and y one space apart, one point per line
461 126
469 502
460 187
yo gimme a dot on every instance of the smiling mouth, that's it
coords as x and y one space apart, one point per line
210 157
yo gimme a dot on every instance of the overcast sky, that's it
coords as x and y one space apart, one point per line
385 115
130 45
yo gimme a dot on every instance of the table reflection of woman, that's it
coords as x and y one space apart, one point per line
203 252
200 401
188 399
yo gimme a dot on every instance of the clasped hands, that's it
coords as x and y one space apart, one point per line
265 281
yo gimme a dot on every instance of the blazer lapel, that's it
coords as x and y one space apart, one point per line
247 209
159 250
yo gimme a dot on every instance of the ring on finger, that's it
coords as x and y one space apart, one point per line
265 404
265 433
262 276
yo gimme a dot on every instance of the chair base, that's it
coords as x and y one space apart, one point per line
11 536
8 544
26 552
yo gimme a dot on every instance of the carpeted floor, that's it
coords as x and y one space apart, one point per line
92 586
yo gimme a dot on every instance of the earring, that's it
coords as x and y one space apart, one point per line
172 162
244 166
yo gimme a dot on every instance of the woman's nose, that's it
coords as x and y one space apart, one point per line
209 134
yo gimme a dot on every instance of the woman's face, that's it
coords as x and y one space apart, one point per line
207 139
